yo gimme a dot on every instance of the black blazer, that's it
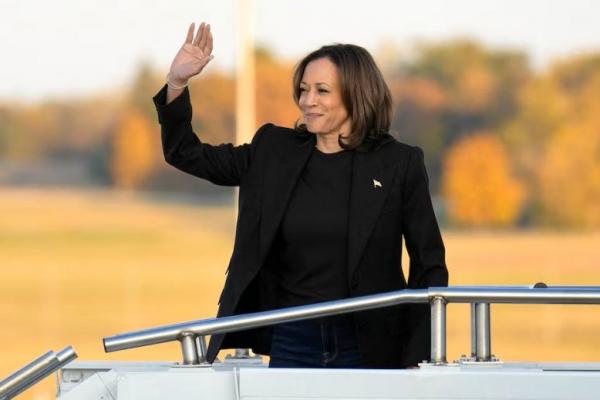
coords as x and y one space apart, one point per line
389 200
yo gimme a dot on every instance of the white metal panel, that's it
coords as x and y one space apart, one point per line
99 386
426 383
177 383
487 381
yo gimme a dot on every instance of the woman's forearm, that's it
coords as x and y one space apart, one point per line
172 94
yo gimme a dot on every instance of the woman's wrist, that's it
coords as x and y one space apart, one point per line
174 84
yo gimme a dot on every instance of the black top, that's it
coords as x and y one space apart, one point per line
313 235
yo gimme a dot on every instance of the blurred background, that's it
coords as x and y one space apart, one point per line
98 235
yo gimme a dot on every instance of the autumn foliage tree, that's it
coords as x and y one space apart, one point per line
554 142
570 177
419 103
213 101
273 87
476 81
478 185
451 89
133 151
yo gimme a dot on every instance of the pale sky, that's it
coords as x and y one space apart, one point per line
76 47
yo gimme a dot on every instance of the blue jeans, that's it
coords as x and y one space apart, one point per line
314 344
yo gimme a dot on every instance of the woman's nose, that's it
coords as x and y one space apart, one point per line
309 98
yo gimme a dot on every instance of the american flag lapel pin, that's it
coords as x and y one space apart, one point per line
376 183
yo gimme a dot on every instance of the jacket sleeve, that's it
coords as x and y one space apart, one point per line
427 255
223 164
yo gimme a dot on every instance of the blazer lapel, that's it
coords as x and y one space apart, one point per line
372 178
279 182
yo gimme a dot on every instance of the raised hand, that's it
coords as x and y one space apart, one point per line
193 56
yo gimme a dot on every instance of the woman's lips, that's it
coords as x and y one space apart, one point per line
312 116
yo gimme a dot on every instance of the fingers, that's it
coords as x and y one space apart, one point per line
190 34
199 34
204 37
209 44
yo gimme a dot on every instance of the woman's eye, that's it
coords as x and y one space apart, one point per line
323 91
302 90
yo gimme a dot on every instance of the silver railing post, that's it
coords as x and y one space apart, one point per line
189 349
473 331
438 330
483 333
201 349
242 353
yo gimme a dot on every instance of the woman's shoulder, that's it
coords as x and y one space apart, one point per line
389 143
274 134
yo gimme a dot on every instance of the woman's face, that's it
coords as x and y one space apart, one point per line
321 99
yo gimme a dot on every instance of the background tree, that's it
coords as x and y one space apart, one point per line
419 106
569 175
452 89
552 140
274 101
478 185
133 151
146 82
213 102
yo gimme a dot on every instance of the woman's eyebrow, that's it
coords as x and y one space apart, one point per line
316 83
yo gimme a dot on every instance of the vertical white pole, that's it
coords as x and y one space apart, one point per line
245 92
245 107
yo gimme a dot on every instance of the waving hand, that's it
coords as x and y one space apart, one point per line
193 56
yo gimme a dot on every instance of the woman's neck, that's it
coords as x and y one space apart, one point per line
328 143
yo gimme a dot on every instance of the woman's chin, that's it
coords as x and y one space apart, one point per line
311 127
317 129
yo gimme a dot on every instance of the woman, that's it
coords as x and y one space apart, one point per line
323 209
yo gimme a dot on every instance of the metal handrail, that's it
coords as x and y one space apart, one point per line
254 320
35 371
191 333
515 295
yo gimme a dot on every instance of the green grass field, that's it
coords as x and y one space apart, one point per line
77 266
